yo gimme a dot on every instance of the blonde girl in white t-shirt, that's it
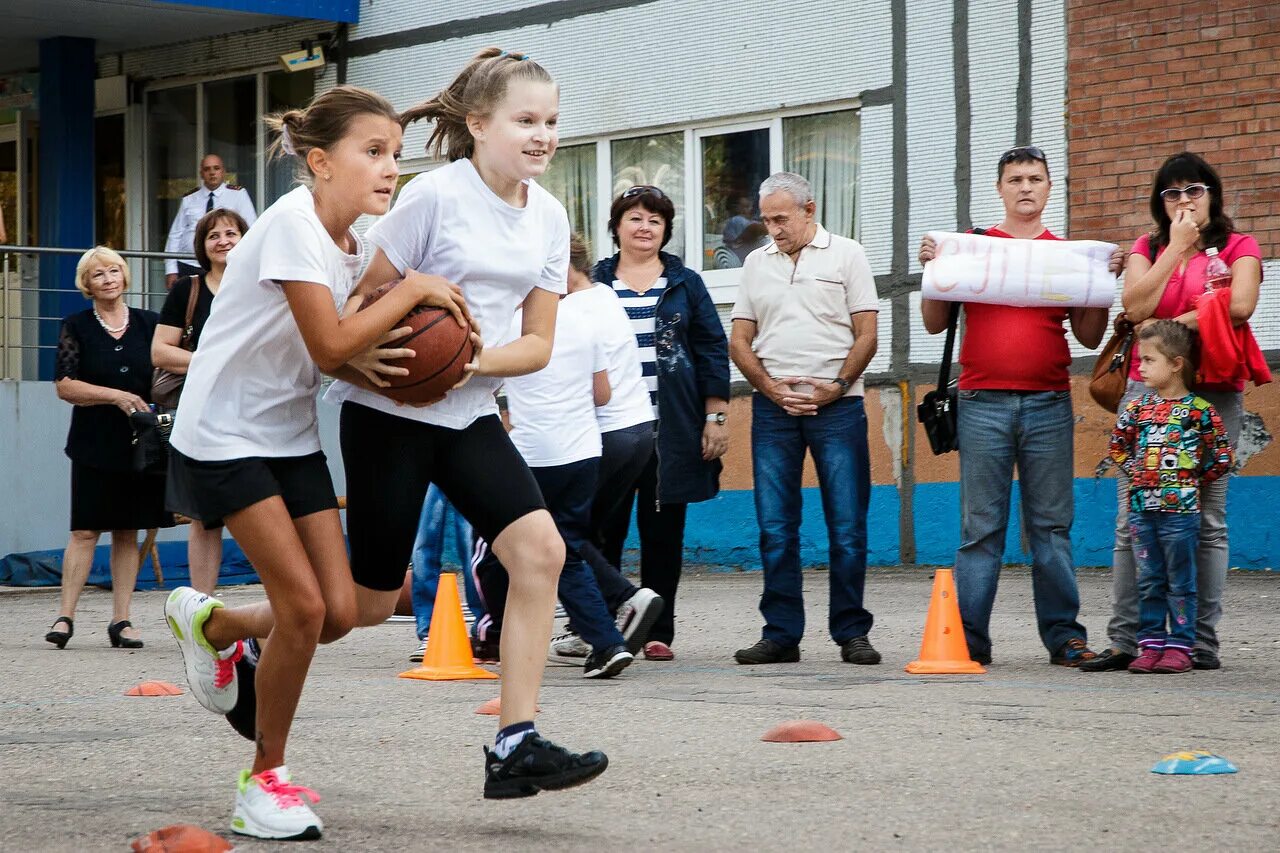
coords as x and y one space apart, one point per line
246 449
481 222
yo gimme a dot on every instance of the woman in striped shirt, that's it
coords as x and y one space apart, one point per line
685 361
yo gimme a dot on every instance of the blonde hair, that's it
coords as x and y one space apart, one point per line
475 91
579 254
103 255
323 123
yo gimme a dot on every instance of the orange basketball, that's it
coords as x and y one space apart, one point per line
442 349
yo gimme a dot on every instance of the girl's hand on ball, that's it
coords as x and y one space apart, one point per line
437 292
372 363
472 368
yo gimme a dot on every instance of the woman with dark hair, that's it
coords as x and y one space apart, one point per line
217 233
1164 279
685 359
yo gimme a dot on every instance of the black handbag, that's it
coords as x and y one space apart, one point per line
938 410
151 441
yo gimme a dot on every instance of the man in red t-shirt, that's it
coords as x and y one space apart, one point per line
1015 407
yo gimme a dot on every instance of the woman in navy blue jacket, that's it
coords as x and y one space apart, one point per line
685 360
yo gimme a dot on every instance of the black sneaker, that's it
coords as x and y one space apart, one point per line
767 651
537 764
485 651
983 658
859 650
1203 659
244 716
607 662
1108 660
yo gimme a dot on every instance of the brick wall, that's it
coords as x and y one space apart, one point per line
1149 78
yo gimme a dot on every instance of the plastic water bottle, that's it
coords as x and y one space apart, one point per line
1217 275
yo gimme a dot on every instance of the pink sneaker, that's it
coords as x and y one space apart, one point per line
658 650
1173 660
1147 660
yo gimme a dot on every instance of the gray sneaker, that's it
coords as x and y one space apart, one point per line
568 649
636 616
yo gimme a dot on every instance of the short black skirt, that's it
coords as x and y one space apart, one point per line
116 500
210 491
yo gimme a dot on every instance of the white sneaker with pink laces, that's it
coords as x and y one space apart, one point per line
211 673
269 805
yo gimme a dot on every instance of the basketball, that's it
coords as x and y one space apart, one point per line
442 349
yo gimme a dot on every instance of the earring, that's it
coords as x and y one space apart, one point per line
328 176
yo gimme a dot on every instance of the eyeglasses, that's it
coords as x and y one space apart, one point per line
1193 192
642 189
1022 151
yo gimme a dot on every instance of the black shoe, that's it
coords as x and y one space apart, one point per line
537 764
1205 659
485 651
859 650
1108 660
59 638
767 651
244 716
983 658
607 662
119 642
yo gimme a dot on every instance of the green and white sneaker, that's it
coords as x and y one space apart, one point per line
269 805
211 674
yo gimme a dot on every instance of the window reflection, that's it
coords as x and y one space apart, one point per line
571 178
656 161
733 165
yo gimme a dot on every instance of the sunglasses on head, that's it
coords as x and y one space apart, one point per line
1192 191
643 189
1022 151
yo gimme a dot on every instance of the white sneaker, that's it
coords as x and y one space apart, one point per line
419 653
269 805
636 616
567 648
211 674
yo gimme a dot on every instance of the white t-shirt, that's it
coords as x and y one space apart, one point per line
251 388
448 222
553 411
629 403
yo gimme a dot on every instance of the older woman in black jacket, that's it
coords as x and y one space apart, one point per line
104 371
685 357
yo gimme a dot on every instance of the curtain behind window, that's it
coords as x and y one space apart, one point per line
824 148
571 178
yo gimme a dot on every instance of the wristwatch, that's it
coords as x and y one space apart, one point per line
717 418
843 383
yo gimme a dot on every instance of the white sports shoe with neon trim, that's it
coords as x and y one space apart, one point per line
269 805
211 674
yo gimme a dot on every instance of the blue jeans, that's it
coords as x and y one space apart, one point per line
1035 431
428 553
1164 550
837 438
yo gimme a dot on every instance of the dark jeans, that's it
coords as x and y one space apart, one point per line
568 490
1164 549
661 544
837 438
624 455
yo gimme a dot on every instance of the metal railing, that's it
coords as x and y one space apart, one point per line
20 297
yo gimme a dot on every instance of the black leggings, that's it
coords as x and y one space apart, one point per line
390 461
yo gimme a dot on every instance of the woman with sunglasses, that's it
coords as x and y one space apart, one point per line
1164 278
684 357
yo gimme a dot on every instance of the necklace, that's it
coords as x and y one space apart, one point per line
110 329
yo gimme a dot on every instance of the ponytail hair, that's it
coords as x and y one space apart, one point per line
475 91
323 123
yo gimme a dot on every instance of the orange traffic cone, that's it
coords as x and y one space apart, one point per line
448 655
944 650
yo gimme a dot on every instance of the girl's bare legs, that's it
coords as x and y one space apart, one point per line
533 553
124 576
204 556
77 560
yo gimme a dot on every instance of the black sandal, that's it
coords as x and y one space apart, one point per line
59 638
119 642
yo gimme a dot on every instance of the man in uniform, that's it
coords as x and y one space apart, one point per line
213 193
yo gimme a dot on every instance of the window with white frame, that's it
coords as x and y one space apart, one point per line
718 169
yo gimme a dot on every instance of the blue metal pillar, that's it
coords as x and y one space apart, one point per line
66 179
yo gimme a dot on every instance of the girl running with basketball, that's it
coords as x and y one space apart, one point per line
245 447
482 223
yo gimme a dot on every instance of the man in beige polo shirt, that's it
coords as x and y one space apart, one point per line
804 330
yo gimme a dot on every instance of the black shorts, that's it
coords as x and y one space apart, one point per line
389 463
210 491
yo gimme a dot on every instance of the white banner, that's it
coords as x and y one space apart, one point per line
1025 273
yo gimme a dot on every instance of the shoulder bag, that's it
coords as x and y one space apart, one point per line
166 387
1111 372
938 410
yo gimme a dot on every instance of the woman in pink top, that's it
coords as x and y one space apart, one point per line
1164 277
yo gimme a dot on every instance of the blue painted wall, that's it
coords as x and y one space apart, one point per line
347 11
722 533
